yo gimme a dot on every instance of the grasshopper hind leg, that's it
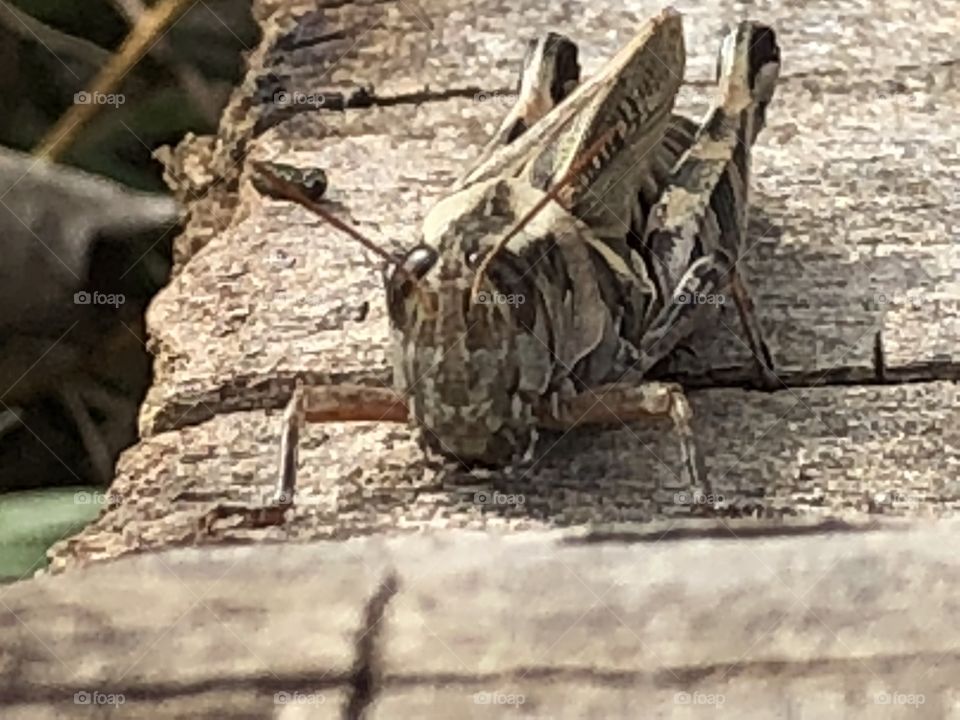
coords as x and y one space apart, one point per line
695 235
702 283
766 377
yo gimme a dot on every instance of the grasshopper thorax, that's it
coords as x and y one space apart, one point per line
471 366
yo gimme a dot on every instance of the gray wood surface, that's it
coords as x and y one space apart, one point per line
789 622
854 267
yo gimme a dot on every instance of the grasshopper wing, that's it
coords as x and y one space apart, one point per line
631 98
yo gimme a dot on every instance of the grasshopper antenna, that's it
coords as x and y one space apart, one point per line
281 188
578 167
287 190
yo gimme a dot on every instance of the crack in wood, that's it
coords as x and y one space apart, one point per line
676 676
365 98
866 376
364 681
879 361
707 530
679 676
245 394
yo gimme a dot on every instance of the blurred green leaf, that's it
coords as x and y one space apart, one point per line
33 520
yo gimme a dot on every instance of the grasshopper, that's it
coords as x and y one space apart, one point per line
560 268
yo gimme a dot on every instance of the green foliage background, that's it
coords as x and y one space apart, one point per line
32 520
52 49
37 84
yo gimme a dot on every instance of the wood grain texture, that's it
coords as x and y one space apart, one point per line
856 217
845 452
735 621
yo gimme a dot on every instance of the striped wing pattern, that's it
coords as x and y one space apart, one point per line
680 187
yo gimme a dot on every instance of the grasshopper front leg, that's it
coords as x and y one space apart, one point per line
328 403
634 400
613 404
309 404
294 419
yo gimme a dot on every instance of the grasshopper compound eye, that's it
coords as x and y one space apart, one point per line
420 261
401 280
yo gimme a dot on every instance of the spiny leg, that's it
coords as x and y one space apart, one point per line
696 232
678 319
328 403
293 421
549 72
691 456
766 376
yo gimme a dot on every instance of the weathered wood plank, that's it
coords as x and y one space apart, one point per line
827 621
185 633
826 451
409 47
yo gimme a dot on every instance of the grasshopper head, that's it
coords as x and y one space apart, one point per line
470 366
